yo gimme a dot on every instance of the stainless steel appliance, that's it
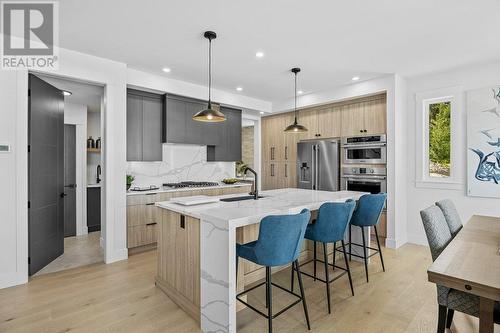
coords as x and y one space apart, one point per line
365 149
373 180
318 165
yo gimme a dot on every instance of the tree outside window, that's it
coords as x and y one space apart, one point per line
439 139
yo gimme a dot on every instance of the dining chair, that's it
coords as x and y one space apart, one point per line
367 214
329 227
279 243
449 300
451 215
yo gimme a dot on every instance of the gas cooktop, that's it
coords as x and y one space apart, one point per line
190 184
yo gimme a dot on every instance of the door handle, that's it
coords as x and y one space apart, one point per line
62 195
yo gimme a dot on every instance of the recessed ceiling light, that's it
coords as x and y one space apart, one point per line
166 69
355 78
259 54
300 92
239 88
262 112
67 93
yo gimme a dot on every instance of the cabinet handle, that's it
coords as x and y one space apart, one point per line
361 131
149 224
150 194
183 222
150 204
272 170
286 152
286 170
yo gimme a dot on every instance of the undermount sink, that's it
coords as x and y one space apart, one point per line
246 197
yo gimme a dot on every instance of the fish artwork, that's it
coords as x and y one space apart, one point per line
488 168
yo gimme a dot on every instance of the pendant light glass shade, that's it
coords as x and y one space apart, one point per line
295 127
209 114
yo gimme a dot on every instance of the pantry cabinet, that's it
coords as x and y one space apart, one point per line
365 117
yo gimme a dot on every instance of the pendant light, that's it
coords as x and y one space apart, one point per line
295 127
209 114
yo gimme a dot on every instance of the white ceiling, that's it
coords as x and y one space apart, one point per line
81 93
330 40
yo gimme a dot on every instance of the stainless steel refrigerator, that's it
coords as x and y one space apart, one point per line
318 165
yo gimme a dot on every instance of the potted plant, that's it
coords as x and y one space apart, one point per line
240 169
130 179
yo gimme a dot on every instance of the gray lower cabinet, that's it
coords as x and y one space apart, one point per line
144 126
93 209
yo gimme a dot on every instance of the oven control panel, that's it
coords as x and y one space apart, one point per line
364 171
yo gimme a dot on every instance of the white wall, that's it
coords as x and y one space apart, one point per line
76 114
468 78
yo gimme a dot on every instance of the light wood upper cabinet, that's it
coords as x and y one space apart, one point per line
375 116
309 119
365 117
329 122
353 122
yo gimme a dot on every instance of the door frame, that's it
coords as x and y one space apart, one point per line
81 173
112 76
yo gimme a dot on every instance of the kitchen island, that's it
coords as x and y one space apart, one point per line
196 249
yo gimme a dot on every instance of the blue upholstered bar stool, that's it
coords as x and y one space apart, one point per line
367 214
330 227
279 243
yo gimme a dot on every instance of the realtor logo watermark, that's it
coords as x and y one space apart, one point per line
30 35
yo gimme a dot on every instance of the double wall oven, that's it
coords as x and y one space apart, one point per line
364 164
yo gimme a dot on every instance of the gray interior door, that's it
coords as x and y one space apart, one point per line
45 173
69 180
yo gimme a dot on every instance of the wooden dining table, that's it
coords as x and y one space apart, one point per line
471 263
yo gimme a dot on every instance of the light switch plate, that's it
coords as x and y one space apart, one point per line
4 148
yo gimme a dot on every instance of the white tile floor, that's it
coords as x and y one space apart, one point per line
78 251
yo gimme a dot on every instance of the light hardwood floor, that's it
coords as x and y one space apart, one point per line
78 251
121 297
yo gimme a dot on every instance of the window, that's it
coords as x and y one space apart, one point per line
439 139
437 127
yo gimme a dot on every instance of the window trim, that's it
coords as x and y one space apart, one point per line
423 100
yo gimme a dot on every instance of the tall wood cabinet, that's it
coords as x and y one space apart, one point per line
362 116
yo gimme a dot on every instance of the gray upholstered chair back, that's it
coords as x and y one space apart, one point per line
451 215
436 229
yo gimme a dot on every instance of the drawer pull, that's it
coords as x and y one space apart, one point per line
153 223
183 222
150 204
468 287
150 194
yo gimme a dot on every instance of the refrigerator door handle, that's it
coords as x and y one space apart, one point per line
317 167
313 169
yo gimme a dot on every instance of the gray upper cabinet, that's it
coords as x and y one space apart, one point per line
229 148
144 126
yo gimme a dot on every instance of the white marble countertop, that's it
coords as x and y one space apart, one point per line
165 189
281 201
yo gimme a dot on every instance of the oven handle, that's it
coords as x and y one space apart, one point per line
364 146
366 180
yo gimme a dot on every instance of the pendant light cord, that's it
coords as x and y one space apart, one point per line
295 94
209 72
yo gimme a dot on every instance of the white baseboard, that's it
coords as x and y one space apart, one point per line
117 255
417 239
392 243
12 279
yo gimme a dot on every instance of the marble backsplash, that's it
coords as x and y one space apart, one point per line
180 163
